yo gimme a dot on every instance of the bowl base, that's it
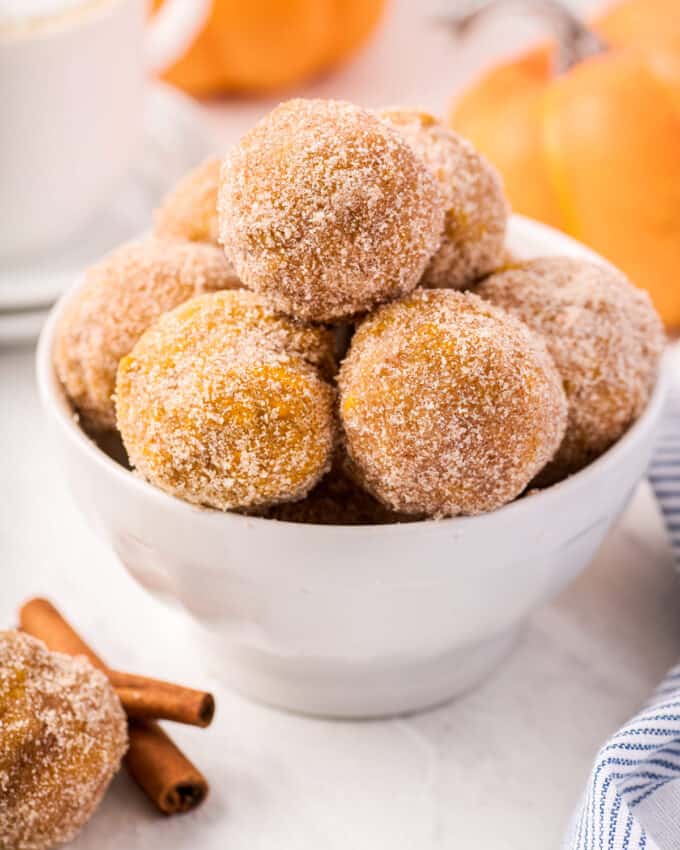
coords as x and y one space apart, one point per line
337 689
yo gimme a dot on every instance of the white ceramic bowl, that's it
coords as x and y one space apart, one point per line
354 621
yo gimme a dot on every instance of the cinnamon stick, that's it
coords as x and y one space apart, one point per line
153 699
161 770
142 698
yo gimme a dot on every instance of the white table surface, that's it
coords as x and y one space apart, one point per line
500 769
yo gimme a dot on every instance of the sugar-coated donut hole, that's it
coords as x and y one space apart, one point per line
64 733
449 405
476 211
606 340
228 416
189 210
326 211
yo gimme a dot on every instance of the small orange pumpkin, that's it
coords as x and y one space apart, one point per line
253 46
654 24
593 150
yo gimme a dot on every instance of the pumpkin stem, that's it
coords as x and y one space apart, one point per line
575 41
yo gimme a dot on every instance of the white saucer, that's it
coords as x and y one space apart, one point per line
175 139
21 326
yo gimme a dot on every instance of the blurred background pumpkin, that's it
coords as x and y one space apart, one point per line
646 23
586 132
256 46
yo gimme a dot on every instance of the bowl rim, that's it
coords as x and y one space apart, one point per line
54 401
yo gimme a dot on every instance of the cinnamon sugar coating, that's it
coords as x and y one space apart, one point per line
121 296
326 211
449 405
245 316
227 416
606 340
476 209
337 500
63 734
189 210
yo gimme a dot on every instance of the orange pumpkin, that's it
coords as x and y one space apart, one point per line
653 24
594 151
252 46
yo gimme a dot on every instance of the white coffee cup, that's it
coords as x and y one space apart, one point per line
71 99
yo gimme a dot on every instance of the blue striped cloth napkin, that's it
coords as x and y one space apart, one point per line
632 801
